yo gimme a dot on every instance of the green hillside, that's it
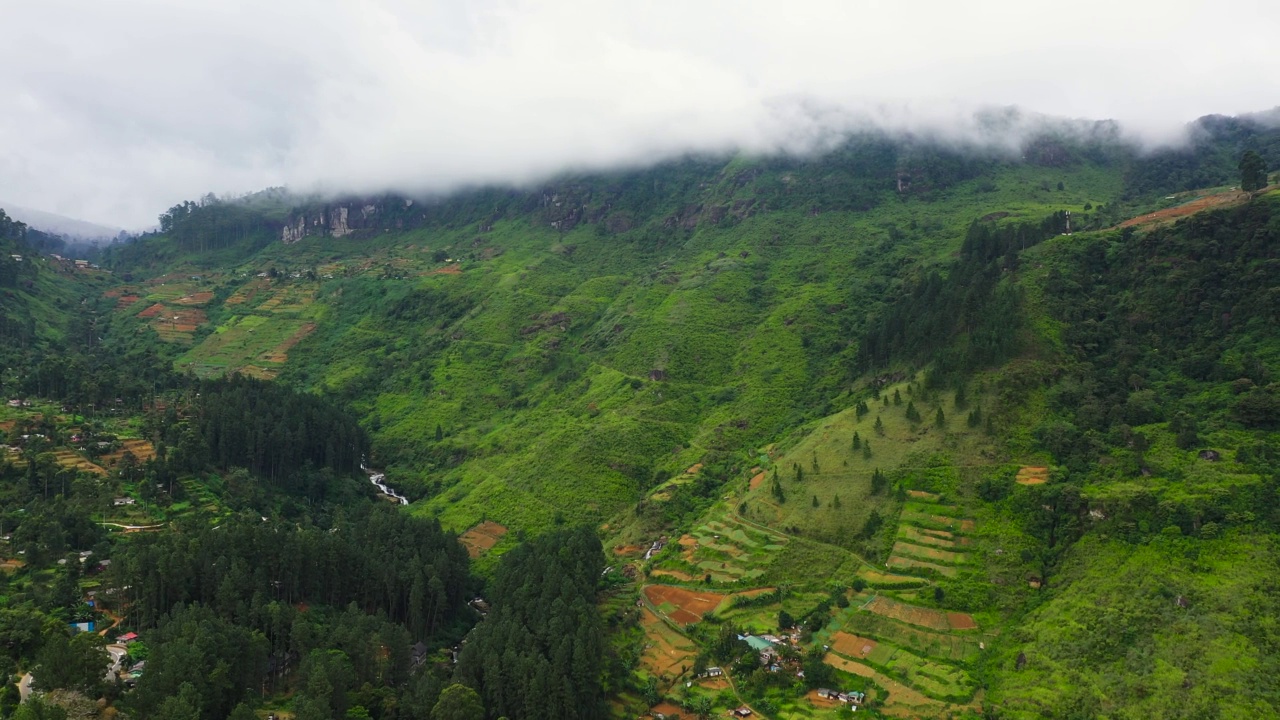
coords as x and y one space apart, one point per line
992 434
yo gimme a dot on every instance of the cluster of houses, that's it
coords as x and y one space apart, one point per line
19 403
853 698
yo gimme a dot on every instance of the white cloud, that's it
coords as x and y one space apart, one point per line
117 110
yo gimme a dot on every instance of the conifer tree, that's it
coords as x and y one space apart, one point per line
879 426
940 419
857 440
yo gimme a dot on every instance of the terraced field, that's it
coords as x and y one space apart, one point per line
727 548
918 655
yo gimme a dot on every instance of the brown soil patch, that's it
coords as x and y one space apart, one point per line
11 565
1033 475
922 495
852 645
666 652
756 481
693 469
714 683
821 702
153 311
199 298
280 353
125 301
143 450
902 547
1159 217
961 621
967 525
919 537
452 269
628 550
688 544
481 538
899 694
69 459
924 617
667 709
690 606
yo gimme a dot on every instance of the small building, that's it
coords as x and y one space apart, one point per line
82 626
127 638
743 711
123 501
418 653
713 672
825 693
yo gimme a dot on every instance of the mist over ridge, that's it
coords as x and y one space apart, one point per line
117 113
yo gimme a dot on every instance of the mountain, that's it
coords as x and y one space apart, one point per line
991 433
69 228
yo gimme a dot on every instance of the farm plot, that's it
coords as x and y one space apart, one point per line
876 578
901 561
666 653
924 552
942 645
1033 475
142 450
852 645
684 607
924 617
932 538
901 698
725 549
481 538
72 459
257 344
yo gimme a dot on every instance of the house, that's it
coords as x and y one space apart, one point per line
82 626
127 638
826 693
418 653
713 672
123 501
743 711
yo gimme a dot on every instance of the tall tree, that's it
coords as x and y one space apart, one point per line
1253 172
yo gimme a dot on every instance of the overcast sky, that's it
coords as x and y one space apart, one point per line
113 111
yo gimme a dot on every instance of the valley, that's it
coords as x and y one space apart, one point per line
787 435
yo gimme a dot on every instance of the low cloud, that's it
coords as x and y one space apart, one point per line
114 111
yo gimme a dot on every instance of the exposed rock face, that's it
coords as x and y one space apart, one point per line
338 222
293 232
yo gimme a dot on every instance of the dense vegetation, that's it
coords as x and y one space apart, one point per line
539 653
981 448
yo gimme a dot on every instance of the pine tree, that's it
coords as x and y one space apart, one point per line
940 420
897 397
866 450
878 482
961 398
815 501
778 495
975 417
857 440
879 426
836 502
912 414
439 432
815 464
1253 172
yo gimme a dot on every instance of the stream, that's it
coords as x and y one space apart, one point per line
379 481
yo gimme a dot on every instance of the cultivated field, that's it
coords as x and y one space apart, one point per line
684 607
481 538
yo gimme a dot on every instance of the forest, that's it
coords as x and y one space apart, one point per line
906 429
